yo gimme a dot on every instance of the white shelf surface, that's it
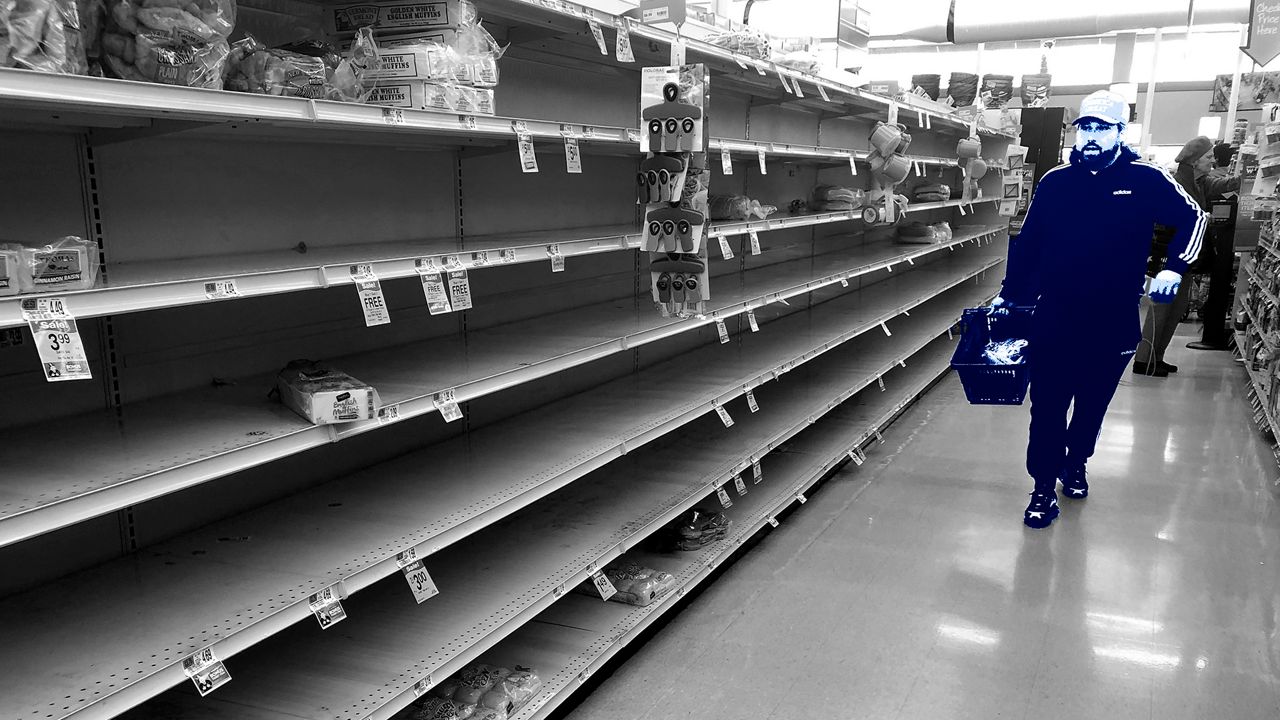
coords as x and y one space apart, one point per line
236 594
136 287
490 584
123 462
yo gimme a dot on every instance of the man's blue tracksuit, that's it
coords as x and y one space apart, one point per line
1081 260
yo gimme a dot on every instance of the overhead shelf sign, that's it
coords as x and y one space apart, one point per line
1264 32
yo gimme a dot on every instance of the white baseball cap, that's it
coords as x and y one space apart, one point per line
1104 105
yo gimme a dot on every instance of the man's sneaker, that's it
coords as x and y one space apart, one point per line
1075 484
1042 510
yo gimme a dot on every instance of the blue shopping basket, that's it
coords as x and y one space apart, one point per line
985 383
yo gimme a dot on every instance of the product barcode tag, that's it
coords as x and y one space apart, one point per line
760 155
421 687
725 501
406 558
598 33
572 158
740 485
326 605
881 381
468 122
879 437
392 116
437 295
751 402
507 255
751 320
622 49
722 331
557 260
447 403
724 416
58 342
755 242
726 252
726 161
756 471
459 290
206 671
823 92
604 586
853 455
388 414
528 159
633 135
221 289
420 582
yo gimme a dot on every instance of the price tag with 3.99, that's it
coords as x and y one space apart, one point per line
62 355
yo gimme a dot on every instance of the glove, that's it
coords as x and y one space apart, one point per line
1165 286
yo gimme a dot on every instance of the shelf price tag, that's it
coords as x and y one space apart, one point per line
853 164
372 302
622 48
604 586
468 122
326 605
446 402
433 288
420 582
823 92
724 416
62 355
801 498
528 159
598 33
572 156
725 500
557 260
795 83
392 116
480 259
755 326
756 471
726 252
893 112
755 241
773 522
459 290
879 437
885 327
722 331
633 135
206 671
726 161
388 414
221 290
881 381
783 79
421 687
751 402
760 155
855 457
740 485
844 282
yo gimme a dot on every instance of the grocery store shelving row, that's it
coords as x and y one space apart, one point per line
140 286
1258 281
350 531
490 586
1267 339
1260 389
126 460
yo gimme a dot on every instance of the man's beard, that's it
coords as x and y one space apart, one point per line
1101 160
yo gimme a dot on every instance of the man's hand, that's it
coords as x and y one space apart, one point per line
1165 286
999 306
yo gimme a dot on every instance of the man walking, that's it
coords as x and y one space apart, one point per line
1081 261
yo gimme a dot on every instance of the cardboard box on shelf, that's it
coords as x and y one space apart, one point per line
391 15
325 395
427 95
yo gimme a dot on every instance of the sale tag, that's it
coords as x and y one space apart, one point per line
725 502
206 671
326 605
726 161
760 155
468 122
603 585
740 484
853 164
755 242
447 403
725 251
528 159
437 295
598 33
388 414
853 455
823 92
751 402
756 471
459 290
724 416
722 331
622 49
420 582
58 342
572 158
773 522
221 289
751 320
371 300
480 259
557 260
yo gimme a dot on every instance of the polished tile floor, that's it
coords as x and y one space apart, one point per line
908 588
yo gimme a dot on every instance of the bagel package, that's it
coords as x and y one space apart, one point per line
44 35
174 42
307 69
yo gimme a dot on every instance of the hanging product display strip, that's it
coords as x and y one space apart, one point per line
497 470
578 635
236 430
626 502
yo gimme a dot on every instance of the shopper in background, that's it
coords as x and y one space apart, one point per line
1195 160
1080 260
1218 257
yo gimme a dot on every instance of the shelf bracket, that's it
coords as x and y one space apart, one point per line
157 128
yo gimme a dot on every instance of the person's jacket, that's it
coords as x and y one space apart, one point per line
1082 254
1203 189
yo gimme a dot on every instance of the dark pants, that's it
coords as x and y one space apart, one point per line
1219 260
1057 379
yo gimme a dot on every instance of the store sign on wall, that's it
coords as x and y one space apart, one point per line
1264 32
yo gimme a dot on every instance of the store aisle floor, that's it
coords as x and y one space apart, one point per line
909 588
